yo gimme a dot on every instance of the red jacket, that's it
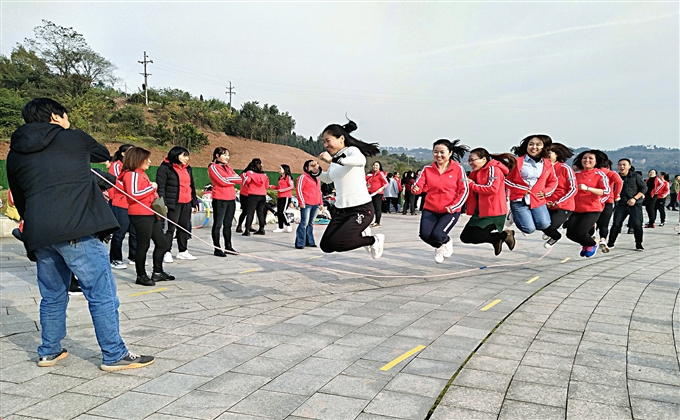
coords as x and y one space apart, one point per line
223 179
409 184
118 199
284 187
585 201
447 192
184 193
658 186
398 185
257 183
665 189
546 183
376 181
615 185
308 190
244 186
137 184
487 190
564 194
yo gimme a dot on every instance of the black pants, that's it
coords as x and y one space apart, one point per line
579 225
256 203
409 202
392 201
604 219
223 215
435 227
422 201
478 235
244 211
661 208
377 205
181 215
650 206
621 211
343 233
281 207
557 219
149 228
674 201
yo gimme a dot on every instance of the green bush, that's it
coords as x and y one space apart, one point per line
188 136
162 134
130 120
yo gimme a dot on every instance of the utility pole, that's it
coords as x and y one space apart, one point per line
230 92
145 74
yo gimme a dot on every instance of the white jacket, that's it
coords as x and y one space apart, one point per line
347 173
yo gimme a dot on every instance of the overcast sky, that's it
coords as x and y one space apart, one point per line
588 74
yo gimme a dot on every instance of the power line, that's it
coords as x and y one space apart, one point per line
230 92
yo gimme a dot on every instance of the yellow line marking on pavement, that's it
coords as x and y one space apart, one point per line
564 260
401 358
491 305
250 271
533 280
160 289
313 258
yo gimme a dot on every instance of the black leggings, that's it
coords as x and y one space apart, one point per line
409 202
244 211
256 203
579 225
478 235
149 228
394 202
281 207
604 219
181 215
662 209
650 206
377 205
223 215
343 233
557 219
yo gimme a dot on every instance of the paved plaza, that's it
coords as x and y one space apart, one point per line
282 333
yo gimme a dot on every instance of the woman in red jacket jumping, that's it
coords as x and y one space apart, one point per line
223 178
447 190
285 193
561 202
486 202
376 181
615 185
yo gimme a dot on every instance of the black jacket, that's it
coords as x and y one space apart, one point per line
632 184
168 185
48 169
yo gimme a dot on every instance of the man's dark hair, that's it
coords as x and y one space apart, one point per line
41 109
627 160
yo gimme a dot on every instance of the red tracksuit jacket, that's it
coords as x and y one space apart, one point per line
244 187
447 192
308 191
376 181
665 189
257 183
564 194
547 182
284 187
487 190
223 178
615 185
137 184
118 199
585 201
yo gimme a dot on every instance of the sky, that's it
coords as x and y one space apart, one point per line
589 74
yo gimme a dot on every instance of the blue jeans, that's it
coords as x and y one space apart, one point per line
304 235
529 220
88 259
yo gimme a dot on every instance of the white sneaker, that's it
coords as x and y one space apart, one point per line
184 256
289 228
509 221
367 232
448 248
545 237
439 255
377 247
167 257
129 262
118 265
278 230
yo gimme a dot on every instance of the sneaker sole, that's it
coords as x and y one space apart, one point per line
107 368
50 363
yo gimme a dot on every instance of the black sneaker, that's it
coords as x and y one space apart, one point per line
259 232
247 233
162 276
639 247
144 280
630 231
131 361
219 253
48 361
239 230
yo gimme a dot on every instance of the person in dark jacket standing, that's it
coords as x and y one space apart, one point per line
48 167
176 185
630 204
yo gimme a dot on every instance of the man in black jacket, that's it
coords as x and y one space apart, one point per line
630 204
65 215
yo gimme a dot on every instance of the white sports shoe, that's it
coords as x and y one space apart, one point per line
545 237
277 230
167 257
377 247
289 228
118 265
448 249
185 256
367 232
439 254
509 220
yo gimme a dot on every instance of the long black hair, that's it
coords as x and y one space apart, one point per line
601 158
286 172
175 153
219 151
505 158
521 150
305 169
457 149
380 168
561 151
337 130
119 153
255 165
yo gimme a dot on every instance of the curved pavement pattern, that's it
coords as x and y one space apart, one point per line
241 338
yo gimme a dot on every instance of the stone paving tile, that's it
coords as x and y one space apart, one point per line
172 384
598 376
493 364
264 366
445 412
68 405
547 361
201 405
238 384
416 384
654 391
296 383
269 404
648 409
13 403
109 386
529 392
396 404
524 410
355 387
44 386
584 410
473 399
652 374
331 407
433 368
598 393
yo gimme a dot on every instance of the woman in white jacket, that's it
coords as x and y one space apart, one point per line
349 228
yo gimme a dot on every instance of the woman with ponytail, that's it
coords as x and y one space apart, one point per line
119 206
561 202
377 181
486 203
285 193
223 178
349 228
447 190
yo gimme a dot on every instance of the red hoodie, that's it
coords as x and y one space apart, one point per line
615 185
223 179
308 191
487 190
447 192
256 183
284 187
564 194
546 183
376 181
665 189
658 186
137 184
244 187
587 202
118 199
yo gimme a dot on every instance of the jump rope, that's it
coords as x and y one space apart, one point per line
313 267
